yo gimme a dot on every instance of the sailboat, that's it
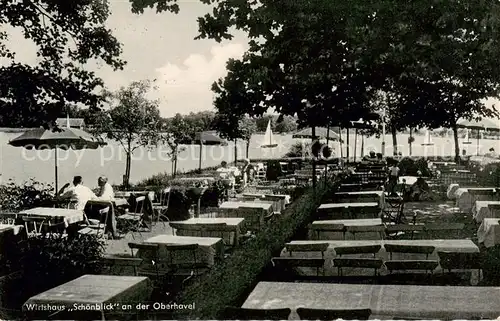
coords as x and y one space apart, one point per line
427 140
467 140
268 138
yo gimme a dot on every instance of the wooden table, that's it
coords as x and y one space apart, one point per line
482 210
55 215
93 290
324 235
254 219
236 224
126 194
209 247
348 210
489 232
385 301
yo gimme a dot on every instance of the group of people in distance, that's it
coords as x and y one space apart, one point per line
80 194
228 174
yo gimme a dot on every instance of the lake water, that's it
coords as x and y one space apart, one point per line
21 164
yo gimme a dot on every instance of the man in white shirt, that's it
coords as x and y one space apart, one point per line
105 192
393 178
78 193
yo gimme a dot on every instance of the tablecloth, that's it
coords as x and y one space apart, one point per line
452 190
56 215
236 224
385 301
209 248
482 210
90 290
466 197
488 232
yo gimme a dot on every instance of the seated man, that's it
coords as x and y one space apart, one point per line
226 175
78 193
105 192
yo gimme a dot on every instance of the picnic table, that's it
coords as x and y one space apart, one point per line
91 290
55 215
236 224
483 209
209 249
488 232
327 235
385 301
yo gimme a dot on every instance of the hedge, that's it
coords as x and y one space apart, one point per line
229 282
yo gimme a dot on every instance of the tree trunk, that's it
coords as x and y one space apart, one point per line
313 157
235 151
248 148
394 141
174 162
457 146
410 141
127 169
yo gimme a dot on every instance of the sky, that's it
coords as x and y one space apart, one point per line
162 47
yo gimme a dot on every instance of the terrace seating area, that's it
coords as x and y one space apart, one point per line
370 255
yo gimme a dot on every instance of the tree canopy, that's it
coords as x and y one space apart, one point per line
67 34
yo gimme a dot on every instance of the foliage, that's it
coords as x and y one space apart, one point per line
297 150
178 133
51 260
28 195
228 283
487 175
261 122
286 125
133 120
67 35
410 167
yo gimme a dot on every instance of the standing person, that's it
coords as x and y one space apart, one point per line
247 171
79 193
393 178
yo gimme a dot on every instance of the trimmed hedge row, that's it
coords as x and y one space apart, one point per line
229 282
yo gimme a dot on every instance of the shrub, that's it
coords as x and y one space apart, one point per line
28 195
180 202
273 170
49 261
229 282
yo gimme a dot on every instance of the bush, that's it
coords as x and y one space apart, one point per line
229 282
180 202
487 175
28 195
48 261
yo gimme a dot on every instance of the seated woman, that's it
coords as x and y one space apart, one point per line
420 190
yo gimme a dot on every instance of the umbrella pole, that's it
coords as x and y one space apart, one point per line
362 146
348 146
201 154
355 142
327 148
55 167
477 147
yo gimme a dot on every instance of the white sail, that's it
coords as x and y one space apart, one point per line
268 137
427 139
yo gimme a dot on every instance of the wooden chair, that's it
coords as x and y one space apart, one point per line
8 218
115 262
318 228
33 225
254 220
366 263
233 313
392 231
324 314
134 221
380 229
160 209
285 262
99 229
460 261
393 210
187 229
362 249
423 265
308 247
150 256
190 251
438 229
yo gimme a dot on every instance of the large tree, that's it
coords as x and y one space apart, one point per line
67 35
132 120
